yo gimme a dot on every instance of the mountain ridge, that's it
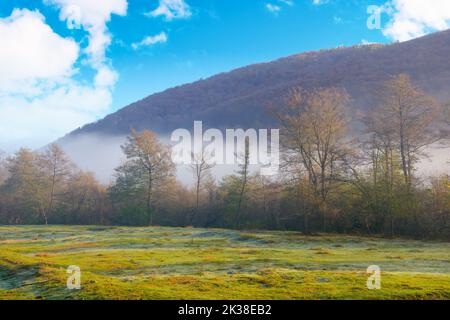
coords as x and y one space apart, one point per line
239 98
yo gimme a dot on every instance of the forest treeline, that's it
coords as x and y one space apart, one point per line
334 178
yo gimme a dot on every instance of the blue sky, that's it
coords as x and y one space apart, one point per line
218 36
222 35
106 54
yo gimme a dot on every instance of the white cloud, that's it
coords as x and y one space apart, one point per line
31 53
319 2
105 77
92 16
337 20
414 18
151 40
40 120
276 8
171 9
287 2
365 42
273 8
40 99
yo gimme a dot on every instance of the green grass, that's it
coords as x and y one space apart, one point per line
185 263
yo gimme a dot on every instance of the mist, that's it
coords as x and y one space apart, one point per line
101 154
97 153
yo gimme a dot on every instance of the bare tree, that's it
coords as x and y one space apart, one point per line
406 122
211 187
3 169
200 169
314 135
267 193
57 169
243 178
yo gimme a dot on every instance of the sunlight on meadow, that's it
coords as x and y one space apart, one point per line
187 263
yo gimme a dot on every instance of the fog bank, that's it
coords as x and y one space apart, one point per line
100 154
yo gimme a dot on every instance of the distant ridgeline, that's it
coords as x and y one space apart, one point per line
242 98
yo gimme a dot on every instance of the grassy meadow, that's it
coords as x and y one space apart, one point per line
186 263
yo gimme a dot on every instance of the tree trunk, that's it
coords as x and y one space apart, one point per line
44 215
149 202
197 191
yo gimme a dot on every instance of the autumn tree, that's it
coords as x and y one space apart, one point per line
3 169
25 186
437 206
85 200
147 167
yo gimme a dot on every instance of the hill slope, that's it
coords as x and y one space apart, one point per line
240 98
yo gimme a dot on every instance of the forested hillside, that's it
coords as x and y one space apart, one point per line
240 98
